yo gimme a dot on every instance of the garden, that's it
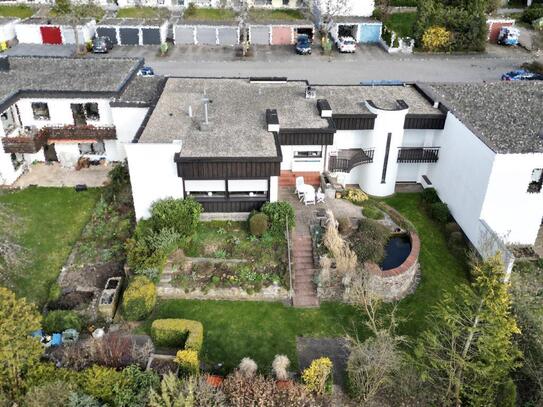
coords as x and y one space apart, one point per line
17 11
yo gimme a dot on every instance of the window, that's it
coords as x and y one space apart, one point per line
91 111
286 2
17 160
248 188
40 110
97 148
534 187
206 189
308 154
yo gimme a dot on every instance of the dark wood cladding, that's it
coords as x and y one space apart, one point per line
354 122
309 137
229 205
208 169
424 121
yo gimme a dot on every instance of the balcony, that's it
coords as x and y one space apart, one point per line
26 141
418 154
80 132
346 160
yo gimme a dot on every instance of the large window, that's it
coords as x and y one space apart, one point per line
308 154
40 111
206 189
97 148
535 184
248 188
231 189
91 111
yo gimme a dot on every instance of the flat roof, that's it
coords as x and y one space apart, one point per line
355 19
131 22
8 20
141 91
56 74
506 116
53 21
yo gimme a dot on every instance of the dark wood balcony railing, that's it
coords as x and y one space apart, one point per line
80 132
346 160
418 154
25 143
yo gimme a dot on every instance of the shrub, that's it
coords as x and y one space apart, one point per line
436 39
172 333
54 293
507 394
371 212
345 258
248 367
77 399
49 394
187 391
533 66
429 196
317 377
134 387
41 373
153 274
180 215
188 361
118 351
59 320
369 241
440 212
100 382
452 227
258 224
139 299
344 225
279 214
456 238
140 255
532 13
280 366
356 196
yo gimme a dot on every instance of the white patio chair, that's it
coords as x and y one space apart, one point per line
299 187
309 198
320 196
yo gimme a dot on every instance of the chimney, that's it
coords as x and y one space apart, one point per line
4 63
324 108
272 120
310 92
190 110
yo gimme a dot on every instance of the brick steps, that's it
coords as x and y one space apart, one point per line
305 295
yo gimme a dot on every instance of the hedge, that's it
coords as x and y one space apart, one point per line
60 320
139 299
170 333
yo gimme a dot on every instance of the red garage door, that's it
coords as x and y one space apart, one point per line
51 35
281 35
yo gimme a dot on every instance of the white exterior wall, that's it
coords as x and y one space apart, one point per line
274 189
86 33
67 153
7 31
512 212
28 33
413 172
127 121
305 164
462 174
153 174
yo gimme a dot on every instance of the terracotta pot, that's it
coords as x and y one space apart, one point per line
214 380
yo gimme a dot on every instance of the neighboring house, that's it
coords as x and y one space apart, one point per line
62 109
325 11
484 158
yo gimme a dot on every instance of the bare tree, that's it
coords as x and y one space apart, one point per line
76 14
242 8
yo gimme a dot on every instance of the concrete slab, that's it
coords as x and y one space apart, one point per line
53 175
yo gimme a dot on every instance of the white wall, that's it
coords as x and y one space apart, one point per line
512 212
303 164
7 31
360 8
28 33
274 189
67 153
127 121
153 174
462 174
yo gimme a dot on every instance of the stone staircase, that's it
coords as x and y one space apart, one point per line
305 293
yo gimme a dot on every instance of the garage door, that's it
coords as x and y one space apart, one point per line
281 35
260 35
150 36
109 32
51 35
68 35
370 33
206 35
129 36
184 35
228 36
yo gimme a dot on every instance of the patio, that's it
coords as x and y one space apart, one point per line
54 175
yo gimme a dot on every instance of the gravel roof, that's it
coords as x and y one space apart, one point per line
132 22
141 91
506 116
85 75
7 20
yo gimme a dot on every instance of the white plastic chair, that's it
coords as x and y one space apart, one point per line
320 196
299 187
309 198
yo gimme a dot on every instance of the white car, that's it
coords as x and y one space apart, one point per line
346 44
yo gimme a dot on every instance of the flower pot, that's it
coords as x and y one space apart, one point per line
214 380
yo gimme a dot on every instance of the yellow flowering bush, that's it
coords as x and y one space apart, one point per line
355 196
436 39
188 361
317 377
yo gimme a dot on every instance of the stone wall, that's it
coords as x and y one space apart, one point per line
396 283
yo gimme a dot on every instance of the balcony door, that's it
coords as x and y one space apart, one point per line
78 113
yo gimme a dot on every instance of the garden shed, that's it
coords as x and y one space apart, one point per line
133 31
7 31
224 33
37 30
363 29
494 25
278 32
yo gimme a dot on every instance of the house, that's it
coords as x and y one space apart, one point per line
231 144
62 109
327 10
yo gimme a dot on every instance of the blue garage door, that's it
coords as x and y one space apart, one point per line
150 36
109 32
370 33
129 36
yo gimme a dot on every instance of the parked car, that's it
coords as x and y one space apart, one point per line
346 44
303 45
101 45
146 71
522 75
508 36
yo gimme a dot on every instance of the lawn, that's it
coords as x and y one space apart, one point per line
19 11
402 23
142 12
261 330
209 14
279 14
46 222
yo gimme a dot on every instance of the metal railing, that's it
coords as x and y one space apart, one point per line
346 160
418 154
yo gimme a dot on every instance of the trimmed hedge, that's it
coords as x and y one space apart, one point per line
258 224
171 332
139 299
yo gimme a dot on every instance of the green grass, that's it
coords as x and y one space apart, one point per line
209 14
142 12
278 14
49 221
86 11
402 23
259 330
19 11
404 3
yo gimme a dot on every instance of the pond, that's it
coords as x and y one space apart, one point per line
397 250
